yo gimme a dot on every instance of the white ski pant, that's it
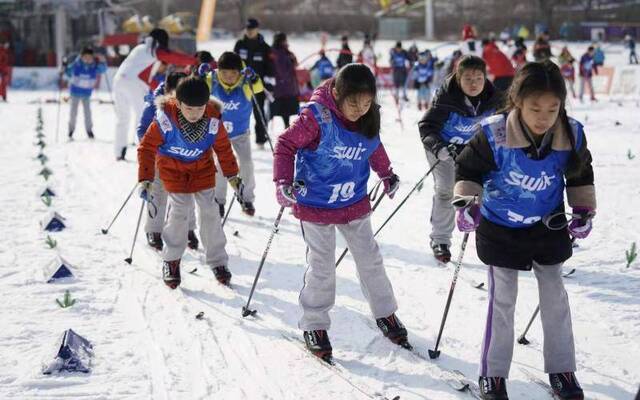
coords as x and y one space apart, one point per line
175 231
86 108
155 217
128 95
442 212
319 291
242 148
497 344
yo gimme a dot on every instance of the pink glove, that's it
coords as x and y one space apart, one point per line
391 185
468 218
284 195
581 227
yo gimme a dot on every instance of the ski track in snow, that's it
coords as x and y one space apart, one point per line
149 345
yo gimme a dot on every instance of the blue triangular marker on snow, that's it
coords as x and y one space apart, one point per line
53 222
74 354
57 269
47 192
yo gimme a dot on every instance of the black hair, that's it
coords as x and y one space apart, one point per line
591 48
354 79
193 91
160 38
278 40
172 79
86 50
470 62
344 38
230 60
204 57
399 44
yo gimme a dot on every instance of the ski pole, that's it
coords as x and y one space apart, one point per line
226 215
105 231
522 339
397 208
435 353
129 259
261 114
246 311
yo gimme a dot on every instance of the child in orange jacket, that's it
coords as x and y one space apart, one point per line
181 141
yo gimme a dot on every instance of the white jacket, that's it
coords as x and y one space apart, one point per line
141 57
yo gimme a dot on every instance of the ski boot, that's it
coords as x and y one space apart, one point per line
70 136
154 239
318 344
565 386
393 330
248 208
123 153
192 240
493 388
91 135
222 274
171 273
441 252
220 209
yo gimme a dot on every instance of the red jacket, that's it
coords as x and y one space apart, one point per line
178 176
498 63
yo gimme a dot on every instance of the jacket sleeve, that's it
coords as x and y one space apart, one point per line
581 191
430 127
174 57
222 147
302 133
147 151
380 163
146 118
475 160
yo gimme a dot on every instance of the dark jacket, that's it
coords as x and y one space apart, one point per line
451 99
345 57
505 247
256 54
284 63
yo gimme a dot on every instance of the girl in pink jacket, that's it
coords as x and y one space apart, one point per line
327 154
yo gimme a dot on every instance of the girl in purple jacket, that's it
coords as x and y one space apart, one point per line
328 152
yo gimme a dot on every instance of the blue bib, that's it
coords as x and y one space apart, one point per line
83 79
237 109
423 72
459 129
325 68
522 190
175 146
398 59
335 174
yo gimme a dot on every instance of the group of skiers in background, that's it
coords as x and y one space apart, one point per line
497 138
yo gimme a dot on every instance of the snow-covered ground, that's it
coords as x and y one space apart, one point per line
149 345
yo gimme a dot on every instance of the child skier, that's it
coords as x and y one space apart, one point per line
83 73
156 215
399 61
423 72
182 138
322 70
517 166
333 144
458 107
232 87
567 69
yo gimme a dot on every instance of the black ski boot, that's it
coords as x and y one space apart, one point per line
318 344
192 240
220 209
248 208
154 239
566 386
441 252
222 274
91 135
493 388
393 330
123 153
70 135
171 273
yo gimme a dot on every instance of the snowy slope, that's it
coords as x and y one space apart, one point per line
149 345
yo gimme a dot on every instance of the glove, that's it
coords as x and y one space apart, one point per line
145 190
581 227
250 74
285 195
204 69
446 153
391 185
468 218
237 185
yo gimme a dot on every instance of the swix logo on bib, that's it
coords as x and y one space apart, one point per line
522 190
237 109
335 174
174 144
459 129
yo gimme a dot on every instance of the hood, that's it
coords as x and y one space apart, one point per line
322 95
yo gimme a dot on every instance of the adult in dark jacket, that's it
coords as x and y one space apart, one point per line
286 90
255 53
346 56
460 104
511 180
542 47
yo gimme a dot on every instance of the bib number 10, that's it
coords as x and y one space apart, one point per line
342 192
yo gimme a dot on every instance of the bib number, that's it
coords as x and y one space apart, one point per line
342 192
228 126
